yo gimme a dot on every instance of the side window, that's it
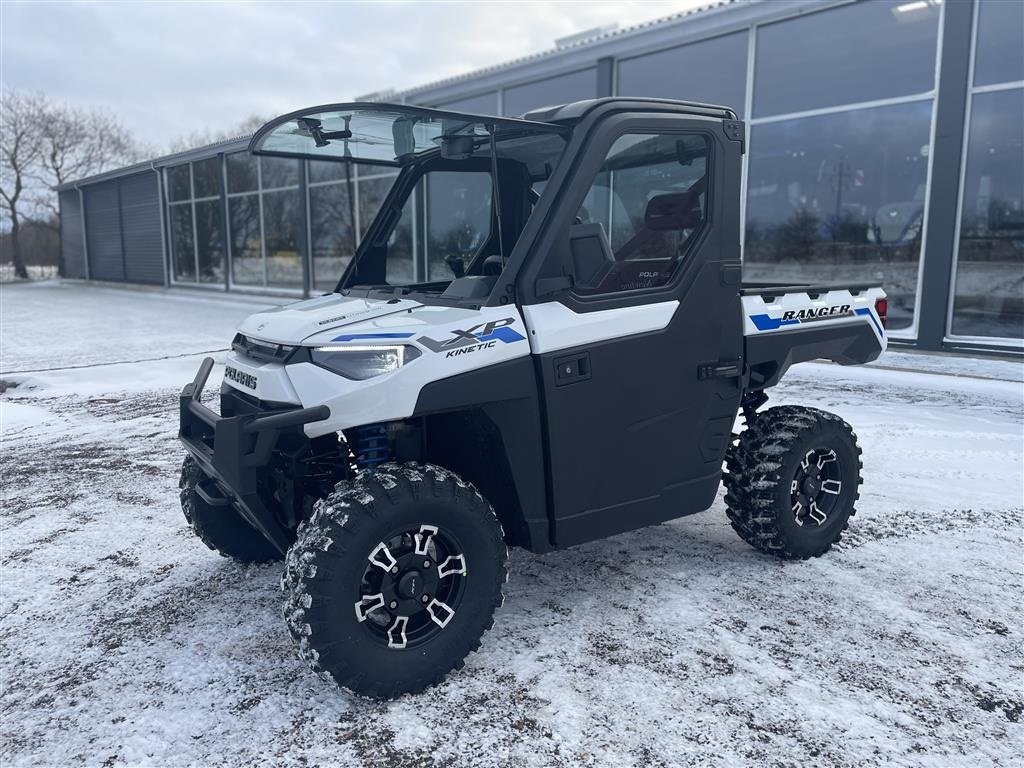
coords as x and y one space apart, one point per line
642 213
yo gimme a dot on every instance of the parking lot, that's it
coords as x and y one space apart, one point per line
123 640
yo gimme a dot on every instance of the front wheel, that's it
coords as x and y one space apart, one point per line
221 529
394 579
792 481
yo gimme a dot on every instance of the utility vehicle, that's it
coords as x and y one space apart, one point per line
542 339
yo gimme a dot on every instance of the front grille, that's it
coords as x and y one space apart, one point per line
264 351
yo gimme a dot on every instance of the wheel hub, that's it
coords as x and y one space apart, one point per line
811 486
411 587
410 584
816 486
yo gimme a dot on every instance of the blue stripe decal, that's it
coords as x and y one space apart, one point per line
504 333
768 323
866 311
357 336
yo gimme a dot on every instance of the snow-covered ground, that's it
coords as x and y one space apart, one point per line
124 641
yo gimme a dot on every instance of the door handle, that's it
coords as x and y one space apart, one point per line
572 368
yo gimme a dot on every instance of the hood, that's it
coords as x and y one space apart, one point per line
293 323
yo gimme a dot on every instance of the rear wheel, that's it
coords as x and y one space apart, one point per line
394 579
221 528
792 481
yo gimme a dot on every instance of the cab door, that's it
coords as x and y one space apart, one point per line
635 326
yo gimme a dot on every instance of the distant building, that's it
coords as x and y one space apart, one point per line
885 143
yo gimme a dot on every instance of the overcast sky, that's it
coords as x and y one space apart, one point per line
172 68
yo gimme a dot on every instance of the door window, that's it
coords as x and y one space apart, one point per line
642 214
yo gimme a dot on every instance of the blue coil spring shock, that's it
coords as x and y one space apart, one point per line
370 446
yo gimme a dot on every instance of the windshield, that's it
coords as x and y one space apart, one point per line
440 222
441 211
390 134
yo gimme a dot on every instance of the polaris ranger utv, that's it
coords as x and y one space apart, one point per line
542 339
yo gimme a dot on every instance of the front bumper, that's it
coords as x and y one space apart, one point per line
233 451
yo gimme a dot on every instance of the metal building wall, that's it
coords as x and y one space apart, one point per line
140 224
72 243
103 231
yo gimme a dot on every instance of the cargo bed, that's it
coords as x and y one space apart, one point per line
789 324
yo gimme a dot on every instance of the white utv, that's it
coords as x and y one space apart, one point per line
542 339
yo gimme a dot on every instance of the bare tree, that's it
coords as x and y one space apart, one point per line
46 144
77 143
203 138
21 148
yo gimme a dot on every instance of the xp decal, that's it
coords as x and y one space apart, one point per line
481 336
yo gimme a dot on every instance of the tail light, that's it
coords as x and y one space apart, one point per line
882 309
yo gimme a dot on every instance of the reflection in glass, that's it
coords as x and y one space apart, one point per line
712 71
853 53
246 256
209 241
999 56
372 192
279 172
182 250
241 168
179 186
989 290
327 170
333 233
206 177
458 218
281 238
840 198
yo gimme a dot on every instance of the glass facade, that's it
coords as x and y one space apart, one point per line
683 72
195 222
988 287
842 111
840 197
840 148
860 52
265 227
999 43
550 91
343 200
485 104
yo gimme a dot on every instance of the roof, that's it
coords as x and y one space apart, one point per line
237 144
574 111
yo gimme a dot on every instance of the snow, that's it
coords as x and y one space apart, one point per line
124 641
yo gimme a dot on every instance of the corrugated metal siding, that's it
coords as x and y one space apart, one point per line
72 244
103 231
140 220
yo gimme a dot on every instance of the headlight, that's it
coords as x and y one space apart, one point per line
364 362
